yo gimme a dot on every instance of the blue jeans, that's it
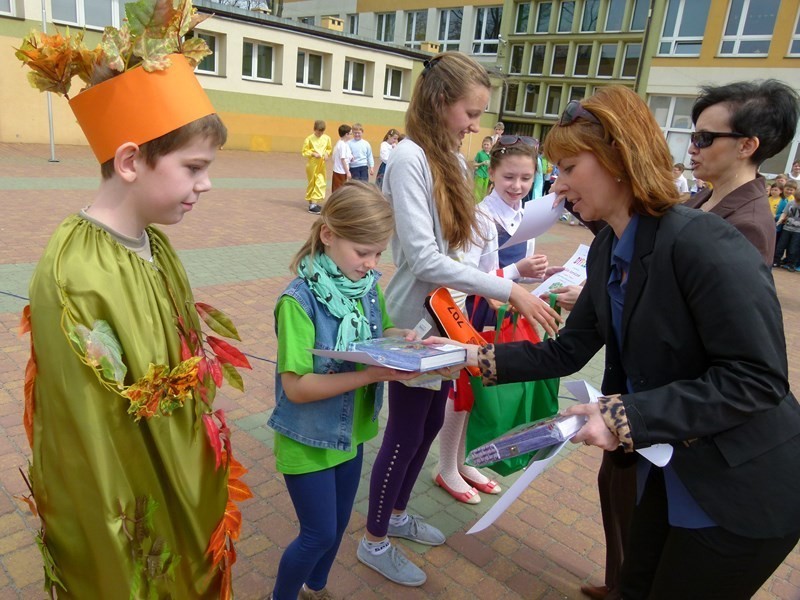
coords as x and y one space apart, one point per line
323 501
360 173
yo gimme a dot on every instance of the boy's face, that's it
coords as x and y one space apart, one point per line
169 190
357 133
487 146
676 172
775 191
781 180
789 190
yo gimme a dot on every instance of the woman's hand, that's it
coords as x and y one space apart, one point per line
408 335
533 267
595 432
472 349
566 296
534 309
550 271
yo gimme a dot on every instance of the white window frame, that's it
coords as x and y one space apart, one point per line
352 24
560 89
531 89
795 41
633 14
520 50
667 128
539 7
600 58
625 49
608 15
518 17
254 61
530 64
446 15
740 37
575 61
596 17
673 38
553 60
572 89
349 76
390 74
117 13
384 27
412 17
214 41
483 45
12 9
306 64
561 7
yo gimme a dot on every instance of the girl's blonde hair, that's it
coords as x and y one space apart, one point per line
446 79
628 144
356 212
499 153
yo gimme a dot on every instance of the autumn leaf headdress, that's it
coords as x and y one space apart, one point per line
142 71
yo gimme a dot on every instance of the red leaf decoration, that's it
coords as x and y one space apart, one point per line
217 320
25 321
214 438
227 353
216 371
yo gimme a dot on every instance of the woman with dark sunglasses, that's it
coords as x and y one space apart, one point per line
695 358
737 127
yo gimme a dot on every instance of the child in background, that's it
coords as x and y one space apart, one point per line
128 472
363 163
776 200
326 409
482 169
387 145
789 240
512 169
499 128
341 158
316 148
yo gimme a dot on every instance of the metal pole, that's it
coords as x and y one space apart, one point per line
49 97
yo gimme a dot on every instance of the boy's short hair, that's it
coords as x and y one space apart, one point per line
680 166
319 125
358 127
209 127
344 130
500 126
790 184
488 138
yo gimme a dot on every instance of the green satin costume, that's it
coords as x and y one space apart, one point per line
91 461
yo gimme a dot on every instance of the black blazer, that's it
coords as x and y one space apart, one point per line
704 348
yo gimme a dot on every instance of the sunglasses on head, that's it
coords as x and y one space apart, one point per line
510 140
575 111
703 139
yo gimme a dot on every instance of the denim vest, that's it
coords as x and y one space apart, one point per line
326 423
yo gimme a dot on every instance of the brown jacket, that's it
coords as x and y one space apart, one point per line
747 209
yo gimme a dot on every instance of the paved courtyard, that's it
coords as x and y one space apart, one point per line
236 247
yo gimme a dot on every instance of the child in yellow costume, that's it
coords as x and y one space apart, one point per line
132 469
316 148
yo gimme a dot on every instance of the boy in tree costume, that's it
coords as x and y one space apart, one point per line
132 473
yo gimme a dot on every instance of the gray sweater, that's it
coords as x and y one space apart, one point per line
423 259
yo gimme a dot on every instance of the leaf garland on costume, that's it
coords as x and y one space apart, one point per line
31 369
150 32
161 391
101 349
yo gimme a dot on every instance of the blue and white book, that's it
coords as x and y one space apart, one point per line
400 354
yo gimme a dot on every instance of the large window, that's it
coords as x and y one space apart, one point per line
84 13
355 76
605 61
352 24
590 10
583 57
543 12
210 64
684 27
748 29
566 15
558 66
794 47
6 7
630 62
615 14
577 92
309 69
385 28
416 24
522 17
487 30
531 104
512 95
450 28
537 59
515 64
257 61
393 86
553 100
673 114
641 8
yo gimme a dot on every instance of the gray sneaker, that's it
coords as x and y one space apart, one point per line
393 565
417 531
314 209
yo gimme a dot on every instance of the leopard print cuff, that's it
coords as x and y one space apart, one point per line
613 411
487 365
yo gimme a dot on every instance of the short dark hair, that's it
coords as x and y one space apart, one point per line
680 166
209 127
344 130
768 110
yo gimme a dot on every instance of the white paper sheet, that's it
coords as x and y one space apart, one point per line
538 217
574 273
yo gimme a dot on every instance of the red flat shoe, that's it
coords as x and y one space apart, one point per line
491 487
468 497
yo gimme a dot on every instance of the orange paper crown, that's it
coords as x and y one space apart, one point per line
138 106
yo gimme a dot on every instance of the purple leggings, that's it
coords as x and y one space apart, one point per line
415 417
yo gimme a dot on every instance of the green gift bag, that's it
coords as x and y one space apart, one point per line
498 408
